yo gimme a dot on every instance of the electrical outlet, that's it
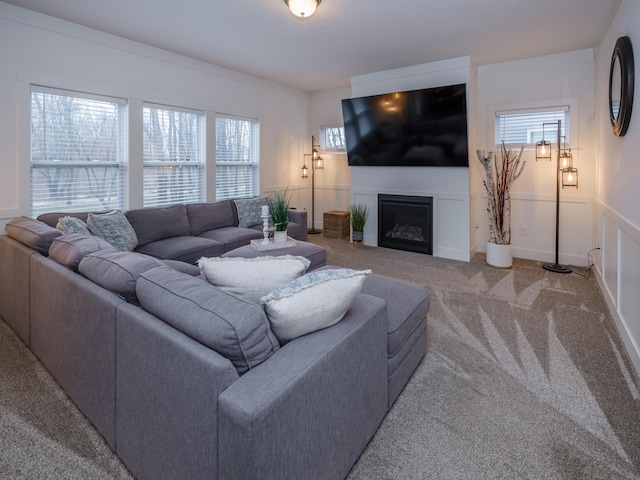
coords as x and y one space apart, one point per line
592 257
523 230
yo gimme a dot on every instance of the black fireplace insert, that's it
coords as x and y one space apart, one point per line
405 223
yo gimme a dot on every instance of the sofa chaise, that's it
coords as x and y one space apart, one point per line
136 346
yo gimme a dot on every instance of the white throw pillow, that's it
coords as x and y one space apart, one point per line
252 278
312 302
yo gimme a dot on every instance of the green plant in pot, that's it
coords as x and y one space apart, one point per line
279 210
358 218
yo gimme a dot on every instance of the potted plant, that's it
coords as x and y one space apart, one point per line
279 209
500 171
358 217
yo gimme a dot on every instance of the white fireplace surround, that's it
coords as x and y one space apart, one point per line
449 186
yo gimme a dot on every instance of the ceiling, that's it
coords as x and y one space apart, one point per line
345 37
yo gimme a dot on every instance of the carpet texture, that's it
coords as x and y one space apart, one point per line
525 377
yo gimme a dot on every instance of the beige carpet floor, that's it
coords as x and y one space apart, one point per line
525 377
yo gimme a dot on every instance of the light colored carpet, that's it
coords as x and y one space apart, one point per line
525 377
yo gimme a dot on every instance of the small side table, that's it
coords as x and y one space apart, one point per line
335 224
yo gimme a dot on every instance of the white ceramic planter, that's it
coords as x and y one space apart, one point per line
279 237
499 256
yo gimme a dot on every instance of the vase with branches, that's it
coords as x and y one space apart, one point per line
500 171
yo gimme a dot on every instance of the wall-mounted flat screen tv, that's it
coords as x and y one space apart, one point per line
419 128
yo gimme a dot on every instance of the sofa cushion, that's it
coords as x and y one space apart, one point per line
73 225
152 224
233 237
117 271
408 304
68 250
184 248
114 228
313 301
252 278
249 210
32 233
236 329
210 216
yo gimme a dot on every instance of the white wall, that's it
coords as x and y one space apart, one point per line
449 186
46 51
617 203
333 184
564 79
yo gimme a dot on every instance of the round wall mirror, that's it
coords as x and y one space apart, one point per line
621 82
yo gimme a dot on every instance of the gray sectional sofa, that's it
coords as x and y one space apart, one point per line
188 232
135 341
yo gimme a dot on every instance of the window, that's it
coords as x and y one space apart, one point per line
518 127
77 151
332 140
173 158
237 157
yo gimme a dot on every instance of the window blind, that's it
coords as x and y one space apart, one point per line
173 155
332 139
518 127
237 157
77 151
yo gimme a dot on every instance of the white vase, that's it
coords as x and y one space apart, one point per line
279 237
499 256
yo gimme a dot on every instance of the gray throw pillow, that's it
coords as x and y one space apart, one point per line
73 225
249 211
114 228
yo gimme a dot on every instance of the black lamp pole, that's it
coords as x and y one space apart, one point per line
313 230
556 267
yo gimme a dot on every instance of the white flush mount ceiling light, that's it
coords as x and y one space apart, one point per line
302 8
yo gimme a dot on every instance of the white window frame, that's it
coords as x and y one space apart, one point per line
324 131
533 132
173 171
90 174
245 159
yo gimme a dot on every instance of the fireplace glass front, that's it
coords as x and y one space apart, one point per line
405 223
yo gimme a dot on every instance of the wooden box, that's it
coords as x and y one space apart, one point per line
335 224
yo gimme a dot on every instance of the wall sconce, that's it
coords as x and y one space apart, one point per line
568 177
302 8
543 148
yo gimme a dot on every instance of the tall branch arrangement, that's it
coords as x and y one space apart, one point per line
501 171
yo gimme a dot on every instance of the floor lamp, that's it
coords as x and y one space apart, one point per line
566 175
317 163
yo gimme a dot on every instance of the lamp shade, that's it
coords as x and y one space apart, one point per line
543 150
305 171
319 163
569 177
302 8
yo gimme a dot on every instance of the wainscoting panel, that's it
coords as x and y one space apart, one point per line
618 274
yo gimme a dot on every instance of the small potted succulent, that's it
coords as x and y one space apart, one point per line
279 209
358 218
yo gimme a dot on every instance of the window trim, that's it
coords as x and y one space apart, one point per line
574 109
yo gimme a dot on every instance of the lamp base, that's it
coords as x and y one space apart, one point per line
556 268
313 231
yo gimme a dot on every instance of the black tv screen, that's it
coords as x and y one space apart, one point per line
419 128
